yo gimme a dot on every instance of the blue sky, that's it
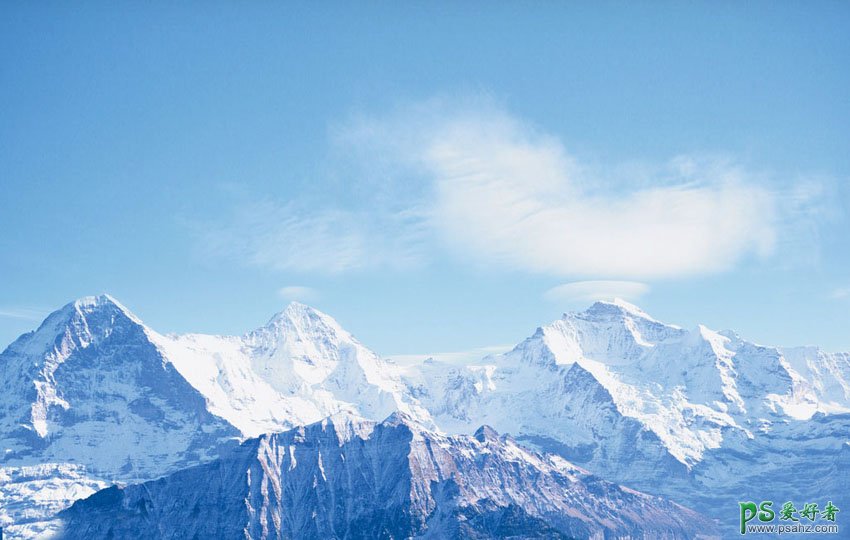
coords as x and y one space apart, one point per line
437 177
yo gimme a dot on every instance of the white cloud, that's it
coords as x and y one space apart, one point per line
516 198
500 192
297 292
473 180
591 291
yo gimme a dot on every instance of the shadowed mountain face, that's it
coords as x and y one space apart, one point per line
88 399
91 372
348 478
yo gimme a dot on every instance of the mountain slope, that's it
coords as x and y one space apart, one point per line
96 397
345 478
702 417
699 416
300 367
88 399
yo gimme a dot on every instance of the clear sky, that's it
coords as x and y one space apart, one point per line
439 177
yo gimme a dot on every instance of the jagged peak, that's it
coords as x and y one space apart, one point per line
485 434
88 302
301 326
81 320
303 317
92 304
397 418
707 333
79 314
617 306
347 425
418 426
78 324
295 308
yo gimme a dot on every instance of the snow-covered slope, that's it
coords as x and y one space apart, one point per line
87 398
94 397
697 415
349 478
683 386
299 368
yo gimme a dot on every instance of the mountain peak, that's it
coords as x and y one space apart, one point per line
90 312
486 434
398 418
301 323
297 307
617 306
99 303
95 301
301 316
393 485
83 319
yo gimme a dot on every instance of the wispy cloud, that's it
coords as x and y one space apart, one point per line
27 314
292 237
469 178
840 293
591 291
298 292
505 193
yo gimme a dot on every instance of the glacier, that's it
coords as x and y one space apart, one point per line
94 398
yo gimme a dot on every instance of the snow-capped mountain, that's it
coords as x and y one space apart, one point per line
88 399
351 478
683 386
299 368
700 416
94 397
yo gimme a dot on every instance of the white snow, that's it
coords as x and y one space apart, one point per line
578 381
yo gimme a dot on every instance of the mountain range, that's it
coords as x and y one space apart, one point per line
344 478
96 402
